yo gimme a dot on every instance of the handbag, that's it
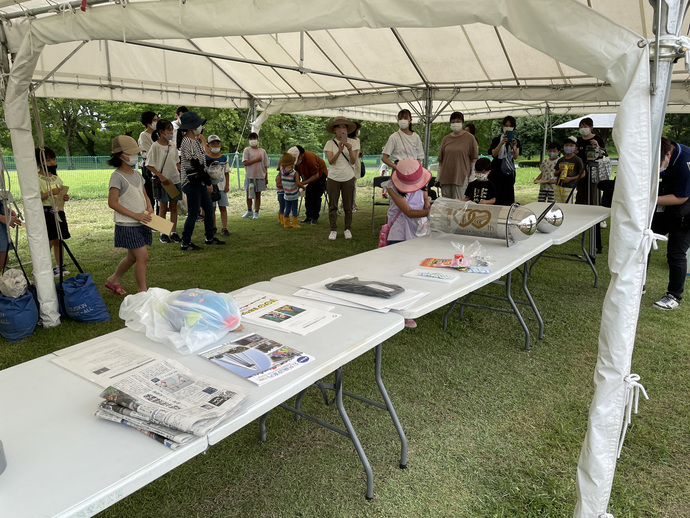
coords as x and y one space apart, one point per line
215 194
507 164
78 296
385 230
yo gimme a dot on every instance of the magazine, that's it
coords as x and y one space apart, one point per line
286 314
456 262
256 358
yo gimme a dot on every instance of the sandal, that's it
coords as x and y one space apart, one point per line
115 288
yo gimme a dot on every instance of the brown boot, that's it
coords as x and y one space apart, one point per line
286 222
295 222
280 218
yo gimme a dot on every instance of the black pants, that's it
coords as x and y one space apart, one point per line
505 187
312 198
676 249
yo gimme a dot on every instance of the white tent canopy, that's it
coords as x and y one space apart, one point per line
366 71
600 120
369 58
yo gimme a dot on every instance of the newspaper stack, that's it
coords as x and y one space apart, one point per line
169 403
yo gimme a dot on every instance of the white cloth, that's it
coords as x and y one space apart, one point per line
400 145
343 170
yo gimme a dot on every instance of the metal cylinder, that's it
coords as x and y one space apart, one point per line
511 223
550 219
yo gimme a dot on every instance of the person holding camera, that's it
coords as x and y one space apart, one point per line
195 180
672 217
505 149
342 154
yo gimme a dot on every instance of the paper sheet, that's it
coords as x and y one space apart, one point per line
162 225
171 190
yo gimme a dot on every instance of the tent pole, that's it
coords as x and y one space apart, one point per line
428 116
547 124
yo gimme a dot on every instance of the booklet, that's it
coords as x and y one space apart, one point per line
278 312
256 358
456 262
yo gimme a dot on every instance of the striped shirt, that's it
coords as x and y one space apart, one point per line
289 185
191 149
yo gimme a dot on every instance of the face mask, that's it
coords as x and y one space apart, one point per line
358 133
569 149
52 169
253 143
584 131
553 155
403 124
215 150
153 125
197 131
482 176
168 136
507 128
455 126
131 160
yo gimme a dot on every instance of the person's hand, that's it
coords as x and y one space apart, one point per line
144 217
227 188
165 181
348 146
504 139
340 146
594 142
66 197
56 190
427 204
209 189
14 220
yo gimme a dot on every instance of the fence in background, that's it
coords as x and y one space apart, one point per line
88 176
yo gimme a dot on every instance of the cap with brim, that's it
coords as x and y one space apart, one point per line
191 120
294 151
351 126
126 144
213 138
409 175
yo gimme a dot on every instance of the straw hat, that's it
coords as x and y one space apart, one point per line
351 126
409 175
287 159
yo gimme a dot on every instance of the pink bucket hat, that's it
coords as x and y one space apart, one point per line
410 176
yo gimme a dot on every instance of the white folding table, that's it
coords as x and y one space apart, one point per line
388 264
63 461
577 219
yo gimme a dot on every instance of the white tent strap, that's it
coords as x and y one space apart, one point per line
632 397
649 242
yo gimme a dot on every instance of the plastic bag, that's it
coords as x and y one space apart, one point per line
479 257
18 316
13 284
80 300
188 320
371 288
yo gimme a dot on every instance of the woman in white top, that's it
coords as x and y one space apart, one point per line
342 154
149 120
404 143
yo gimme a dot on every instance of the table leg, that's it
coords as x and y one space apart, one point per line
516 311
585 254
391 410
525 272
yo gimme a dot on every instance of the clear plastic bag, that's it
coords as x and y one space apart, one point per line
189 320
479 257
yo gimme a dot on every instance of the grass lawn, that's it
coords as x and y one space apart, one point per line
493 430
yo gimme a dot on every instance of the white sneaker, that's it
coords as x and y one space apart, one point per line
332 235
348 234
256 215
668 301
248 214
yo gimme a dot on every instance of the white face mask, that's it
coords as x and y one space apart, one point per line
215 150
403 123
585 131
553 155
131 160
358 133
482 176
198 130
168 136
253 143
153 125
455 126
507 128
569 149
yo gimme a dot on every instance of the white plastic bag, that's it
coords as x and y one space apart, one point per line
189 320
13 284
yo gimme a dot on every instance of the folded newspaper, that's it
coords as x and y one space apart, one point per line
169 403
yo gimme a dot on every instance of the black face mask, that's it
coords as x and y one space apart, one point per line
52 169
